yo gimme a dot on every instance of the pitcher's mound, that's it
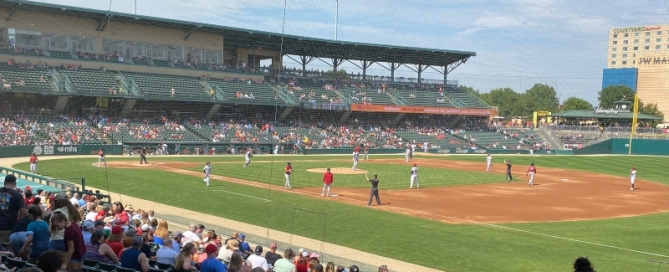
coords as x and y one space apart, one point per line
338 170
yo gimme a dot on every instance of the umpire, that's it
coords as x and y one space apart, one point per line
374 192
142 154
508 176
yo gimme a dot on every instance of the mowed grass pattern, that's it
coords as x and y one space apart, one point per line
425 242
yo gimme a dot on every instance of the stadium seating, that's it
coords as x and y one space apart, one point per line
92 80
31 77
160 86
262 94
154 131
62 130
441 140
467 100
358 95
423 98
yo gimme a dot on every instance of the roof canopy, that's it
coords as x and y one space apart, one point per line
237 37
605 114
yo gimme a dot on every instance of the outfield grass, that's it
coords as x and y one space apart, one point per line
425 242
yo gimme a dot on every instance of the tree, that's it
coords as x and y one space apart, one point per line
540 97
609 95
651 109
575 103
470 90
506 99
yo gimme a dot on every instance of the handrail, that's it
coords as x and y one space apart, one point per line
68 84
134 88
55 82
59 184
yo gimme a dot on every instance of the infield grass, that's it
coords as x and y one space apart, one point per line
429 243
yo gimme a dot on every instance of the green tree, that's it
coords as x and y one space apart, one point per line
651 109
609 95
575 103
540 97
470 90
506 99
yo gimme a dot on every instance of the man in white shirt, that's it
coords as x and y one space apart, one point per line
256 260
488 161
248 157
414 176
190 236
632 177
166 254
75 199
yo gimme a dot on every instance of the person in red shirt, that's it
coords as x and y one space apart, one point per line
28 196
327 181
33 163
366 152
531 171
289 170
101 158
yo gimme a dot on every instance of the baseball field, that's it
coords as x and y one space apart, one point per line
463 218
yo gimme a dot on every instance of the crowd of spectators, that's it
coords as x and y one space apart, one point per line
85 232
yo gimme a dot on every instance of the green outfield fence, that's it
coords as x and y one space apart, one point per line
621 147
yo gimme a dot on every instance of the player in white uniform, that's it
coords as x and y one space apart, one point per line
413 150
414 176
426 146
407 154
355 160
248 157
531 151
488 161
632 177
207 172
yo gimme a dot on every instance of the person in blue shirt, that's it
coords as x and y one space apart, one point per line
38 235
244 246
211 264
134 258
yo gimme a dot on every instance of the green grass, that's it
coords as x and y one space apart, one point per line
425 242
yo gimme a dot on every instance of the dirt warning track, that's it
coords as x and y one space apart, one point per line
558 195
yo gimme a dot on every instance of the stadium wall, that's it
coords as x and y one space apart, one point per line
58 150
621 147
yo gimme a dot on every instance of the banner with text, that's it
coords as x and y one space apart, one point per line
425 110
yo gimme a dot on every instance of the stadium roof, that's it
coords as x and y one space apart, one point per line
586 114
237 37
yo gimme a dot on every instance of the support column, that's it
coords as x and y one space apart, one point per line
392 71
345 117
212 111
285 113
127 107
61 103
445 76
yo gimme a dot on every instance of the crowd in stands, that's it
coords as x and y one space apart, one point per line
83 233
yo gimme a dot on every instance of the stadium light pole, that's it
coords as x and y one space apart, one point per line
336 17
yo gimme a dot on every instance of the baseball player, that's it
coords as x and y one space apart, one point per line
289 170
488 161
356 153
366 152
414 176
413 150
374 191
531 171
207 172
33 163
249 155
426 146
142 154
327 182
531 151
632 177
101 157
508 176
407 153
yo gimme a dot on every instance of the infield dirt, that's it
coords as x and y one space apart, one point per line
558 195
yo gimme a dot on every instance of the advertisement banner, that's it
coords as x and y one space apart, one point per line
424 110
55 150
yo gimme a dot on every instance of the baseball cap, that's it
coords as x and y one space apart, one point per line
61 196
314 255
258 249
137 240
99 223
177 234
211 248
146 227
28 188
305 254
353 268
116 230
414 164
107 233
10 178
88 224
242 236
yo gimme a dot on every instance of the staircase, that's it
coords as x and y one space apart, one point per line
549 138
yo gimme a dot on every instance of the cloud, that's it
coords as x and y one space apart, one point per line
497 21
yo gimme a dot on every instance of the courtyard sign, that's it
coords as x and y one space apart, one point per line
635 29
601 110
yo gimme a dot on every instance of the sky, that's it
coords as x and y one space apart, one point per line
562 43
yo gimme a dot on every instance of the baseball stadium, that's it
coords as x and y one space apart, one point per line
234 139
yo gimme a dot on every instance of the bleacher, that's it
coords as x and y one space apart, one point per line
423 98
447 142
467 100
133 132
61 127
263 93
10 73
374 95
485 139
91 80
160 86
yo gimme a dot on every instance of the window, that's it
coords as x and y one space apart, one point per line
615 42
633 61
112 47
82 44
615 36
624 62
634 55
614 49
636 48
624 48
625 42
613 56
156 51
668 46
647 34
626 35
636 34
613 62
659 33
636 41
658 47
624 56
658 40
647 40
646 47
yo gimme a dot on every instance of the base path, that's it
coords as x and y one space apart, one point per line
367 261
558 195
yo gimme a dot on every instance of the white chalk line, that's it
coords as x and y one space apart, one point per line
255 197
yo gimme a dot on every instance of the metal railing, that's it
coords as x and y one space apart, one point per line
68 84
58 184
606 129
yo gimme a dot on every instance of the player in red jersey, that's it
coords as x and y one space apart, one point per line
289 170
366 152
327 182
101 158
33 163
531 171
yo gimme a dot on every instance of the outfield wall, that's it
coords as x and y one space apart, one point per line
51 150
621 146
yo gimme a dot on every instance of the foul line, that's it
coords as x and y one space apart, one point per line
259 198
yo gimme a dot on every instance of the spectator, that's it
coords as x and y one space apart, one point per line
19 234
98 251
177 237
285 264
134 258
330 267
162 233
237 264
353 268
38 236
256 259
190 236
271 255
115 240
231 247
583 265
88 227
121 216
75 248
14 207
244 246
166 253
211 264
50 261
146 248
185 260
383 268
319 268
92 212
